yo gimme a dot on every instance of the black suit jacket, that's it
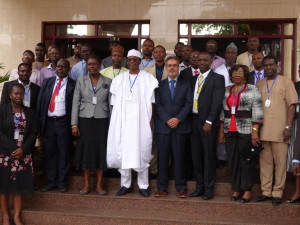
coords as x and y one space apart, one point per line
44 101
251 79
179 107
34 93
186 74
7 129
211 98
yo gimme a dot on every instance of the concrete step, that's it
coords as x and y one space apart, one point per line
90 216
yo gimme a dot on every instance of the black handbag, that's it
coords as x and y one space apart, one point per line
251 152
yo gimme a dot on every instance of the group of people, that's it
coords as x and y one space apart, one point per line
144 112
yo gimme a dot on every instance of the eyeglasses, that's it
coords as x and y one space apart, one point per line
156 52
172 65
194 56
235 73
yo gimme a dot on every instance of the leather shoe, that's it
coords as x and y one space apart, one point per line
181 194
235 198
144 192
208 195
196 193
245 200
262 198
160 193
276 201
293 200
62 188
123 191
49 187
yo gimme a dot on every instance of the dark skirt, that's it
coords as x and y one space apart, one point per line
16 176
92 144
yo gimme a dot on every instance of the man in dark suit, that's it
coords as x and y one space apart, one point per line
209 90
258 72
193 70
54 116
31 89
172 125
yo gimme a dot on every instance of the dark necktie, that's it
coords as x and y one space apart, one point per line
258 76
172 88
55 93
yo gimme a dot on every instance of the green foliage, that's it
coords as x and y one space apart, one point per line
6 76
213 29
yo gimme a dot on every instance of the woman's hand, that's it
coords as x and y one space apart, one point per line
255 138
75 131
18 153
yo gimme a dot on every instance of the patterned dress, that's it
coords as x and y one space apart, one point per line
16 175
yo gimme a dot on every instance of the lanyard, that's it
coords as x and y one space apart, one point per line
144 66
17 119
131 84
236 94
37 66
94 88
200 84
60 86
26 94
84 67
114 72
269 90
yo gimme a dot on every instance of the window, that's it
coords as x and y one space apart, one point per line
276 38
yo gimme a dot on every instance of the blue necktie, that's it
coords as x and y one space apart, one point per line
172 88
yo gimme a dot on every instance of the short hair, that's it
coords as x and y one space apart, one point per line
29 51
205 53
94 56
18 85
41 44
270 57
64 60
148 39
24 64
172 57
245 70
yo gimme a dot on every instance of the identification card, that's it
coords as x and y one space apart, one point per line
129 97
57 99
268 103
27 103
195 104
94 100
16 134
20 137
232 110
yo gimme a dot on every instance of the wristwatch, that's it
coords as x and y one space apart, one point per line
288 127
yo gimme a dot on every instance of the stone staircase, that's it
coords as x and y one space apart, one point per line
55 208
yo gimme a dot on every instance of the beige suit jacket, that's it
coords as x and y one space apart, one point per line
151 69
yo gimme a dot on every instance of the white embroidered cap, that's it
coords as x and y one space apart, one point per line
135 53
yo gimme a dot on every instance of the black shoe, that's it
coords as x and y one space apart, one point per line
262 198
245 200
276 201
152 176
123 191
208 195
35 187
293 200
62 188
221 164
49 187
196 193
144 192
235 198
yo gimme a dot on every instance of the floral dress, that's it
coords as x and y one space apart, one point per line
16 175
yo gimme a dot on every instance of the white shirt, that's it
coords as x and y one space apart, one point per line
26 100
261 76
182 67
34 77
60 107
193 71
196 88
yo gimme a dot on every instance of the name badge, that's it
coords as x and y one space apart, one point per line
268 103
129 97
233 110
27 103
94 100
16 134
57 99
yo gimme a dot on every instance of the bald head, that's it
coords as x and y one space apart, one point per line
63 68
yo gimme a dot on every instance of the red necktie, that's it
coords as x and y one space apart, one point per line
196 72
55 93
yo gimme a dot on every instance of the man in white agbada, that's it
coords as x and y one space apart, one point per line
130 136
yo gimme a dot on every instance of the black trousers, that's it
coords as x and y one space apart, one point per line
242 171
204 155
57 145
168 144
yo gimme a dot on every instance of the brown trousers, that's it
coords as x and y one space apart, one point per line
273 157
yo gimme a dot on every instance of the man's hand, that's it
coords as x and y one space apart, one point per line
286 135
207 129
18 153
173 123
296 169
255 138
